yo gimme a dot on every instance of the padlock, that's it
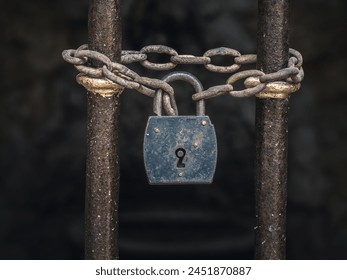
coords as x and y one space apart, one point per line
180 149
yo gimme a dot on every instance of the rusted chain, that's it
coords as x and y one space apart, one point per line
277 89
132 57
212 92
158 49
190 59
290 77
222 52
249 91
246 59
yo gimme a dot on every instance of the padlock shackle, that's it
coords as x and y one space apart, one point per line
169 100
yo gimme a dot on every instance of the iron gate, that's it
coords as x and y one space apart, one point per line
272 105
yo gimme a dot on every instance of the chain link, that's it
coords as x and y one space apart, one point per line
118 73
222 52
190 59
158 49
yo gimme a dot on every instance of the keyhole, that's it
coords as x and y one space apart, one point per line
180 153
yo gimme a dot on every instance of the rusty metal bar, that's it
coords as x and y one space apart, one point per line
271 134
102 186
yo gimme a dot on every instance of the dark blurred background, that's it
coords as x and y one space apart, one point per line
43 128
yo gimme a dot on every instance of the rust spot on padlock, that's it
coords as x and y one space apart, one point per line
184 152
179 149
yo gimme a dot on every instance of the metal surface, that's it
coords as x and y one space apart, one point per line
273 90
271 135
222 51
102 86
168 100
161 50
102 190
291 72
180 150
276 63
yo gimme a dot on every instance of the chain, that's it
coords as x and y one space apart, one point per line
289 77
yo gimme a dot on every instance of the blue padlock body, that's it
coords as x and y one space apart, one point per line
164 135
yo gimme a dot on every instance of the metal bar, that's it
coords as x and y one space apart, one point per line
102 186
271 134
